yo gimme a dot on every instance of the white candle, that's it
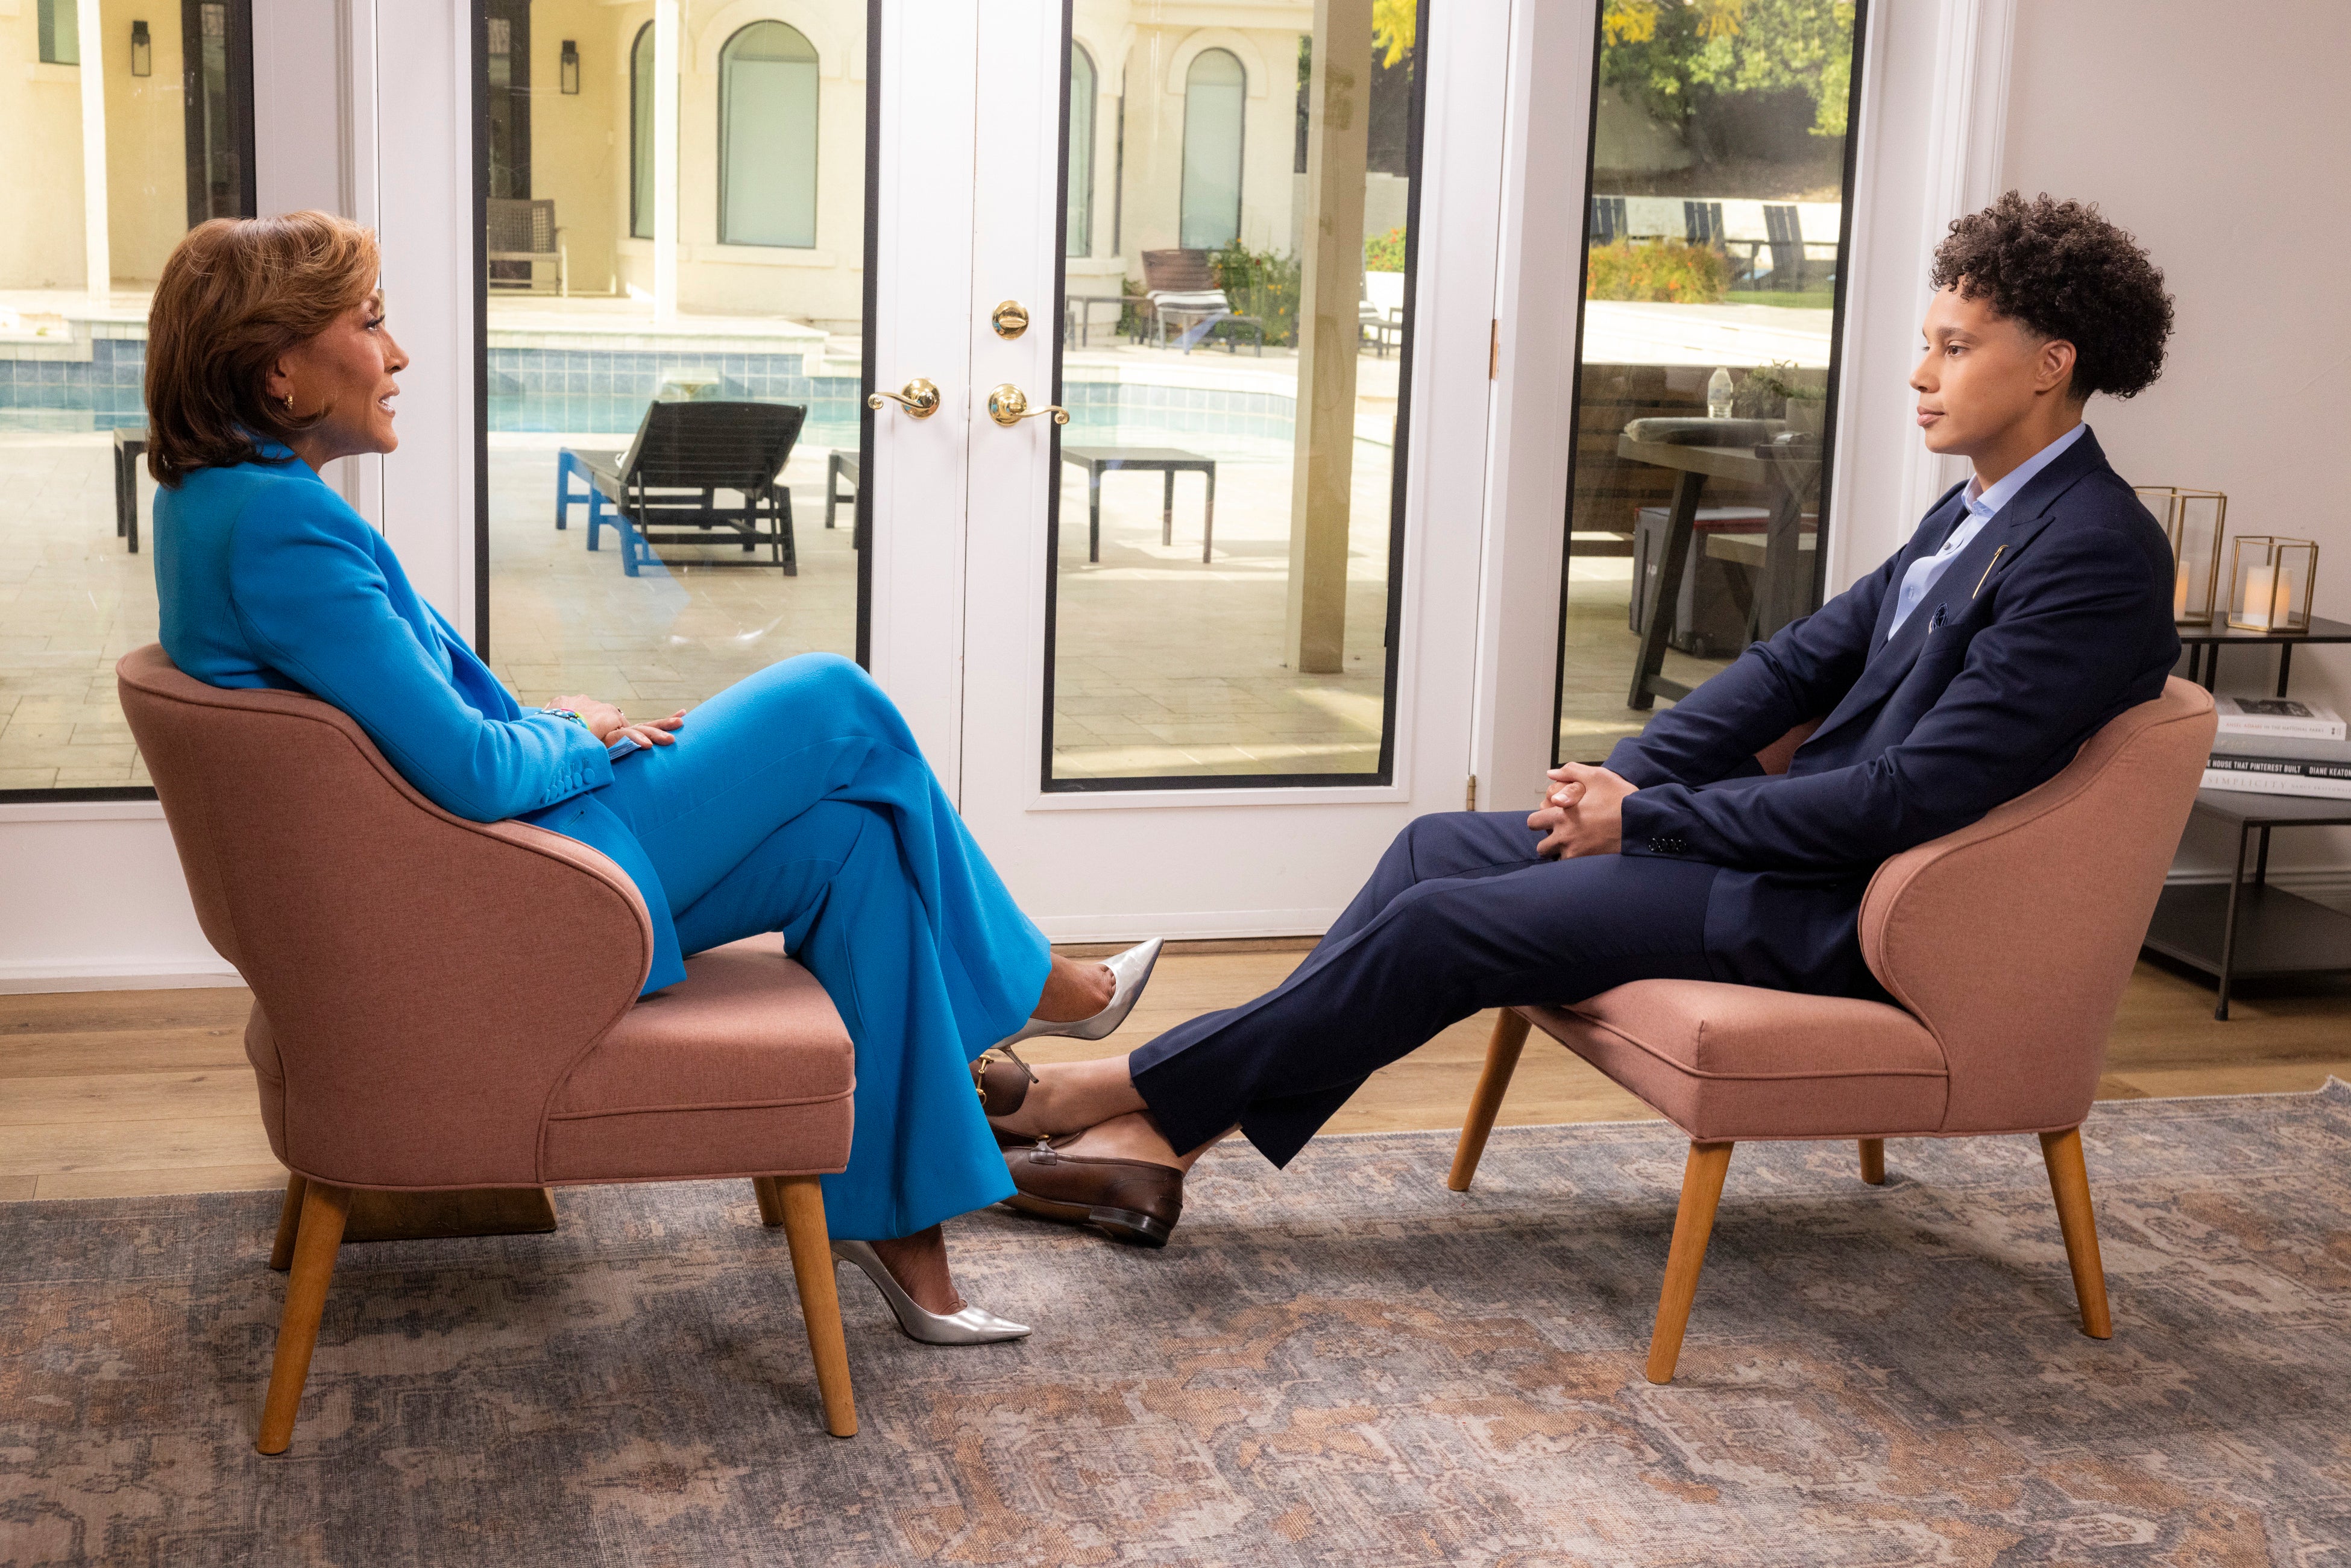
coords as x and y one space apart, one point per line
2261 587
2179 596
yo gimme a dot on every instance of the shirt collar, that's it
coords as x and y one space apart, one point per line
1984 504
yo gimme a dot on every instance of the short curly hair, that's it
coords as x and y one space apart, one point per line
2065 272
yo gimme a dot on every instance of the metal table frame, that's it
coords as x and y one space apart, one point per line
1778 591
129 446
2263 930
1167 461
2204 644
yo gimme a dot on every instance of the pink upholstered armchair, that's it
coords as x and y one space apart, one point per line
2007 945
441 1004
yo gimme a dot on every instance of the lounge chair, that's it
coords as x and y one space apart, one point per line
1182 290
671 477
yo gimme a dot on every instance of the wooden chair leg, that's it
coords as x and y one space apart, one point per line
2069 1181
803 1207
289 1222
772 1206
1510 1037
1701 1191
321 1232
1873 1161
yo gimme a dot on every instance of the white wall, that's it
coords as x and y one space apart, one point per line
2217 136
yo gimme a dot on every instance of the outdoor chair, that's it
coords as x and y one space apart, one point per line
1182 288
2006 947
1380 317
443 1005
665 488
1784 225
521 230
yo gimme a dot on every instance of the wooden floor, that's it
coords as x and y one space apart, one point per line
119 1093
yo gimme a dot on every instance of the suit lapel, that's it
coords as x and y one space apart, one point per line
2002 538
1932 530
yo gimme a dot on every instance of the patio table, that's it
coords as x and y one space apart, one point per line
1164 460
129 446
1792 471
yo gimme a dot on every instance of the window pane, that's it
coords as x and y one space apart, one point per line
76 592
1214 95
767 91
1247 389
1717 201
59 22
1079 178
638 585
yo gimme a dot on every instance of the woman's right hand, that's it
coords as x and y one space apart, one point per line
601 718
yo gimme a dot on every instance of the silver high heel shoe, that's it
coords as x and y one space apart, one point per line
1131 970
969 1327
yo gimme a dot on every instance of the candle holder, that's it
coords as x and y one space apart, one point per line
2194 521
2270 583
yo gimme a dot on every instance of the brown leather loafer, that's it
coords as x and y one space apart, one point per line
1132 1200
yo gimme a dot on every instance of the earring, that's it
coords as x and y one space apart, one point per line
289 405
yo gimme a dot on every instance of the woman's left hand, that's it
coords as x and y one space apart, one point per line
650 732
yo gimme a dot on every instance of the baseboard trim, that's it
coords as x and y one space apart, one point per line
34 977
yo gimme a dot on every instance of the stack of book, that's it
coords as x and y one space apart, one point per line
2277 746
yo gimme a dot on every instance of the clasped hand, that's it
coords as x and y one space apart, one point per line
609 724
1582 812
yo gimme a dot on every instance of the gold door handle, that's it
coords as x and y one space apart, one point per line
1009 405
921 399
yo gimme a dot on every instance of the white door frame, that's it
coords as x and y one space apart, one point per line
1249 860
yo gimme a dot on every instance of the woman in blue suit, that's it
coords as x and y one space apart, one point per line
794 802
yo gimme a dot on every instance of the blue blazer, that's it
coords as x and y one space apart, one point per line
265 577
2053 619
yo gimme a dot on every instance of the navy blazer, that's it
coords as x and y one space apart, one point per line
2053 619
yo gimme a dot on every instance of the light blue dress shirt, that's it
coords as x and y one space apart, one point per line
1982 506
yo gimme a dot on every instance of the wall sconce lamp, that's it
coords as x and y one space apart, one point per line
569 68
142 51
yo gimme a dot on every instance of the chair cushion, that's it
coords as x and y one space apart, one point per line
743 1069
1738 1061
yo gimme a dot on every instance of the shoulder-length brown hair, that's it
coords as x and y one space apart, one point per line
235 295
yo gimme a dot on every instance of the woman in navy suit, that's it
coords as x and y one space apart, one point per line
794 802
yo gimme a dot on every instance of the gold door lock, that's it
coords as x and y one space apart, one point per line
1009 405
920 398
1010 319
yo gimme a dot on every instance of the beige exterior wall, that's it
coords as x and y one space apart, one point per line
40 127
823 284
146 141
580 146
1146 47
578 143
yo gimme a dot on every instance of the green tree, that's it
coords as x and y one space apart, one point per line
1672 55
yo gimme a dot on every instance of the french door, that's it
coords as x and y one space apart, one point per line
1190 659
1186 662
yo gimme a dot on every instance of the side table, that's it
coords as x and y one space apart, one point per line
2250 927
2204 644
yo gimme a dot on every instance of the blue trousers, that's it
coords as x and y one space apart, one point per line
1459 916
796 801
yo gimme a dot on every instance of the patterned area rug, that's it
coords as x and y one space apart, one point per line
1344 1364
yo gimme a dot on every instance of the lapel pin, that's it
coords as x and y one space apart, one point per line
1987 571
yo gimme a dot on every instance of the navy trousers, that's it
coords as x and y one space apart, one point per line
1459 916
